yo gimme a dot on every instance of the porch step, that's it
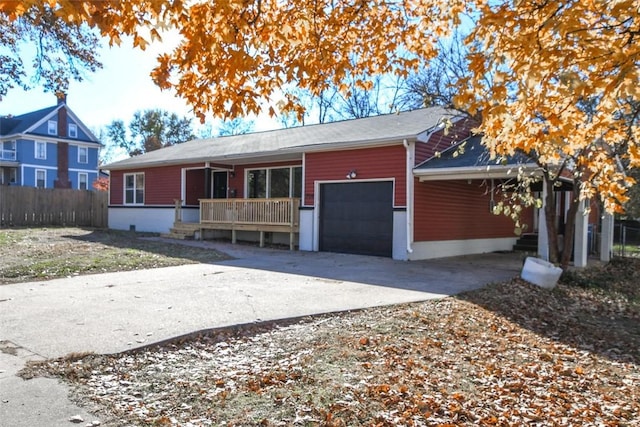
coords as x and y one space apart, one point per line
182 231
527 243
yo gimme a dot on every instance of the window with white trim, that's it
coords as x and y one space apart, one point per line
274 182
83 181
83 155
41 178
40 150
134 189
52 127
73 130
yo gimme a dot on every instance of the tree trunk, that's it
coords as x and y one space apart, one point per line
569 231
550 219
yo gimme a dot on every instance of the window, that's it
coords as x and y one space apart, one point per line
73 130
52 127
83 155
41 178
274 182
134 189
41 150
83 180
8 150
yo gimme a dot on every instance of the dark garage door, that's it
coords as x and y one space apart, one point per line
357 218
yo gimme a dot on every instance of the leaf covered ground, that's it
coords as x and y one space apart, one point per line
507 355
47 253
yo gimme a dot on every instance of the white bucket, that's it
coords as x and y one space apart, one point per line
540 272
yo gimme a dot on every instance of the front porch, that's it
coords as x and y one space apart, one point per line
276 215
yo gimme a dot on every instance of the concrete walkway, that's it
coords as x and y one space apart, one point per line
113 312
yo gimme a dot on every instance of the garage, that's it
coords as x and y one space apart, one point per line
357 218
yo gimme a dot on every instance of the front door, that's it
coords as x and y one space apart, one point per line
220 185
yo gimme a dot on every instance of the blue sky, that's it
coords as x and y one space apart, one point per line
122 87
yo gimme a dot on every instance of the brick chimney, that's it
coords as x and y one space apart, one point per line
63 147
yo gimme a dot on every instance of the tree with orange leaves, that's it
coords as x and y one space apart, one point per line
559 80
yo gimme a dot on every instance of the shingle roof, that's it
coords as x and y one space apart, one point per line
18 124
388 128
469 153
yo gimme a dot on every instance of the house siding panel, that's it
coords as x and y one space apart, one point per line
372 163
195 188
458 210
162 185
444 139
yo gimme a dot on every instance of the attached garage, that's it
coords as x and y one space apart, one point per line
357 218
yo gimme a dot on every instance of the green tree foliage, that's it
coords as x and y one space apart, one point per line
149 130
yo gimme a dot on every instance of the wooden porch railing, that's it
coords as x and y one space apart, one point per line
263 215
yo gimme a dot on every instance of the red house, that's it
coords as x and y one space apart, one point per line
389 185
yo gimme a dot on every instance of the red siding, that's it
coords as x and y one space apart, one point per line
371 163
457 210
442 140
195 188
162 185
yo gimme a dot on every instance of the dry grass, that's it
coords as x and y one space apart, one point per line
46 253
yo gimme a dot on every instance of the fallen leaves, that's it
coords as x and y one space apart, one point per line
510 354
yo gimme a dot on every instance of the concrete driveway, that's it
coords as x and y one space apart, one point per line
113 312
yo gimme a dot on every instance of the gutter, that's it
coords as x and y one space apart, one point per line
497 171
409 190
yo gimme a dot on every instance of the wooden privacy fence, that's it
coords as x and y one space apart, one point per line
27 206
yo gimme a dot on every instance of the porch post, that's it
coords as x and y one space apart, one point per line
543 238
178 210
606 237
581 249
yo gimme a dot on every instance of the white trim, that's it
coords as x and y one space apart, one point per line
124 189
30 137
55 127
447 248
35 150
82 170
474 172
29 165
303 202
75 130
87 155
183 186
36 178
86 175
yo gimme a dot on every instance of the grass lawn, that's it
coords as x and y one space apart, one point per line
507 355
48 253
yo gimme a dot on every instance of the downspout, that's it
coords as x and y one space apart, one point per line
409 195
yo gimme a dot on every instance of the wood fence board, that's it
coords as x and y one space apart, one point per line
27 206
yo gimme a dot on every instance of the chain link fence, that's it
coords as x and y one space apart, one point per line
626 239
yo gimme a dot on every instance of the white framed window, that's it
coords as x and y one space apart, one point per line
274 182
40 150
73 130
41 178
83 155
52 127
8 150
83 181
134 188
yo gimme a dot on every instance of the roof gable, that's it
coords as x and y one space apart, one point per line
24 122
29 122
